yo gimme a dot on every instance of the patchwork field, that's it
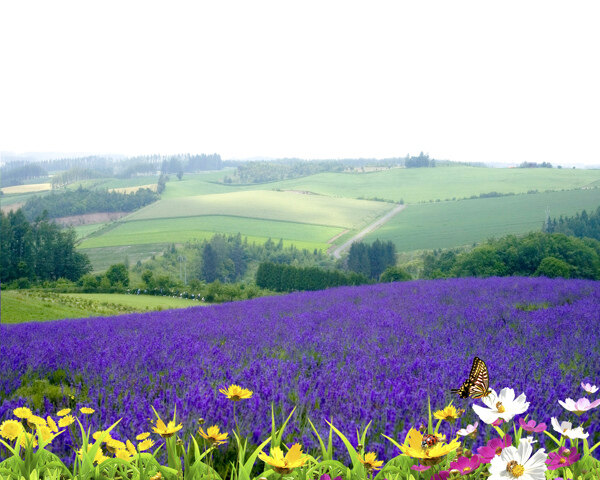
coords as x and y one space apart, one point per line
452 224
414 185
28 188
350 355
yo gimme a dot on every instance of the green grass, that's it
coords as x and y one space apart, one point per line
269 205
415 185
19 306
83 231
451 224
104 257
178 230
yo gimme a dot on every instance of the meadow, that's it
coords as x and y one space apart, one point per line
19 306
463 222
349 355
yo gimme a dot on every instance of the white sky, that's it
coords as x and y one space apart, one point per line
502 81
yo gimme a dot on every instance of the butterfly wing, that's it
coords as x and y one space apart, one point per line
479 379
463 391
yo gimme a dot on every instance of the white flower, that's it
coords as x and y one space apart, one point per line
580 406
589 388
503 406
463 432
516 463
565 428
531 440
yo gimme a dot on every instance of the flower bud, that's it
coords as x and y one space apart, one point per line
566 452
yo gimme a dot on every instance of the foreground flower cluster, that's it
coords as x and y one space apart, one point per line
424 452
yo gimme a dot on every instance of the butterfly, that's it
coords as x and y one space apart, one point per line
478 383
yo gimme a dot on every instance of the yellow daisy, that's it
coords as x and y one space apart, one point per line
143 436
370 461
113 445
284 464
413 447
236 393
130 447
163 430
213 435
34 420
63 412
66 421
123 454
98 434
52 424
86 410
145 445
11 429
45 433
450 414
22 412
28 439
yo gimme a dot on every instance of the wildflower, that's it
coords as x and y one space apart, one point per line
113 445
236 393
563 458
34 420
11 429
28 440
22 412
143 436
519 463
63 412
443 475
98 458
130 447
123 454
213 435
86 410
580 406
168 430
99 433
66 421
589 389
470 430
284 464
450 414
503 406
370 461
467 465
325 476
52 424
419 468
145 445
530 426
565 428
494 448
45 433
429 456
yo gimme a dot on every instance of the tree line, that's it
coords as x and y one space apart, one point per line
535 254
371 260
580 225
82 201
39 250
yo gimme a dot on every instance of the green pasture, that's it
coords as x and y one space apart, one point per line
36 306
414 185
463 222
83 231
104 257
269 205
199 184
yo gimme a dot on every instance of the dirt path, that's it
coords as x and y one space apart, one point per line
337 252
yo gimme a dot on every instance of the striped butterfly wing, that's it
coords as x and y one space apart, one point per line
463 391
479 379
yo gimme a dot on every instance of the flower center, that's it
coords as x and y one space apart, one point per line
500 407
515 469
235 398
562 460
498 450
466 469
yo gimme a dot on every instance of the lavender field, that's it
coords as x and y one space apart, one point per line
349 355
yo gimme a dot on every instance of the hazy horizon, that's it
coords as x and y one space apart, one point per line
464 81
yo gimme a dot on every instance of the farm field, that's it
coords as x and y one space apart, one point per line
27 188
103 257
37 306
350 355
415 185
203 227
463 222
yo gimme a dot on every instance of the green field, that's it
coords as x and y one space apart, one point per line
452 224
30 306
162 230
104 257
414 185
269 205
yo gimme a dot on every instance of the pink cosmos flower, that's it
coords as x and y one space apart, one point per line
470 430
580 406
531 427
498 422
443 475
494 447
467 465
560 459
589 388
420 468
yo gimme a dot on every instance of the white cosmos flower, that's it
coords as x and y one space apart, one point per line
518 463
565 428
504 406
589 388
463 432
580 406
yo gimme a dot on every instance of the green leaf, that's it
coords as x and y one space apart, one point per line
356 464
